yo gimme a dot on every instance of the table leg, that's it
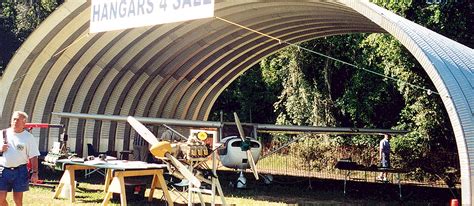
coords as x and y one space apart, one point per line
123 192
108 179
154 184
164 188
72 184
345 181
60 185
399 186
116 186
159 181
67 178
107 197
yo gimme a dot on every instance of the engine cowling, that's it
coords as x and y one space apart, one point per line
234 155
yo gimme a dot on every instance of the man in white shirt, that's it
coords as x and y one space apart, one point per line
18 147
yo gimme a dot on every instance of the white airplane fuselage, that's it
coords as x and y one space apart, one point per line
232 155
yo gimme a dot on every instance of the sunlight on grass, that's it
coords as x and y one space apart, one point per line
291 187
275 161
92 194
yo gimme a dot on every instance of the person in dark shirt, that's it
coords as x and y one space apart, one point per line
140 148
384 152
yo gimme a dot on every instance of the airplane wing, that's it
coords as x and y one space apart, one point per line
214 124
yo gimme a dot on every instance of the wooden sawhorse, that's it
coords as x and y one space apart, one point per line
115 183
69 179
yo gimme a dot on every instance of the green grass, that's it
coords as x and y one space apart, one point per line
284 191
92 194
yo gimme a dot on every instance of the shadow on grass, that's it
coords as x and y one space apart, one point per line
291 191
306 191
88 190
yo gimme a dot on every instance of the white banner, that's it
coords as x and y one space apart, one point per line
107 15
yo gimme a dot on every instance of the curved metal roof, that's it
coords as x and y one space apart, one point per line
178 70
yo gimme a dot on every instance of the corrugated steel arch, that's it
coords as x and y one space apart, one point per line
450 67
178 70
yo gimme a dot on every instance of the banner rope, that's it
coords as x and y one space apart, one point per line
280 41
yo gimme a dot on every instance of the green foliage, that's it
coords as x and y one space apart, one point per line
8 41
359 98
48 6
249 96
454 19
424 114
314 153
296 98
318 90
310 83
17 20
370 100
321 153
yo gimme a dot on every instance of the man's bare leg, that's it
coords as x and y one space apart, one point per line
18 198
3 198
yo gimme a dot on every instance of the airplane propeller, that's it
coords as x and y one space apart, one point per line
253 167
162 149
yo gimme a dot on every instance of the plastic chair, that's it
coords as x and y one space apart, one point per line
125 154
92 152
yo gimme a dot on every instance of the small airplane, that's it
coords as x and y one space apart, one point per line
241 153
238 152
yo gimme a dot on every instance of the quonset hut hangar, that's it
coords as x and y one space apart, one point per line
178 70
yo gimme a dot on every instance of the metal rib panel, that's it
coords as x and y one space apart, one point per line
198 59
424 43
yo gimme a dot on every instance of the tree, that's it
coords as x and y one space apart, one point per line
17 20
431 145
361 99
249 96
